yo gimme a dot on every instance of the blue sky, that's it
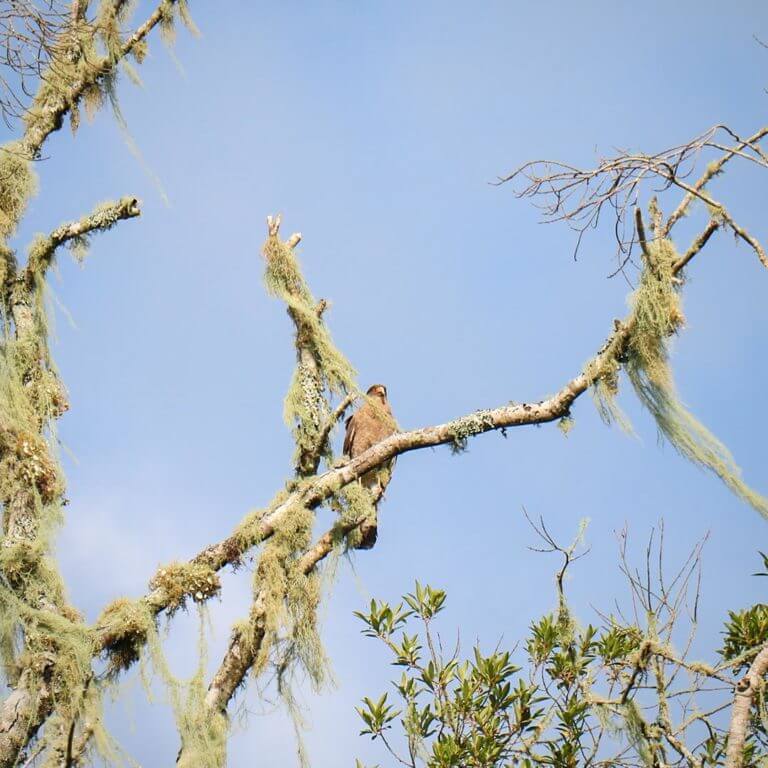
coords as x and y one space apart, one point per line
375 128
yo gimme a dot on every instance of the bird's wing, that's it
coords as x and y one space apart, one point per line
350 435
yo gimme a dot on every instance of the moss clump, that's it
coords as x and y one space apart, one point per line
124 627
249 530
181 581
565 425
467 426
26 463
305 408
355 505
18 184
602 373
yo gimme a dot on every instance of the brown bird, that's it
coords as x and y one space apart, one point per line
371 423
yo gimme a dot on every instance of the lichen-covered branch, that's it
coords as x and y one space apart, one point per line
57 650
75 234
246 643
72 81
321 369
21 714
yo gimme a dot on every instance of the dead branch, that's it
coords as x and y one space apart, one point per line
566 193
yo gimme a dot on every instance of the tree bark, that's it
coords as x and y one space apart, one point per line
746 689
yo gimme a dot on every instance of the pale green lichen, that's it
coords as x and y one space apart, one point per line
18 183
656 315
565 424
467 426
289 597
182 581
203 733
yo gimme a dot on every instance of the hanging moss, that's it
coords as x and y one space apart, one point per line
18 183
278 575
55 646
565 425
636 730
83 738
181 581
249 530
203 734
602 373
657 315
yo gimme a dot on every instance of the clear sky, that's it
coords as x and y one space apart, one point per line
375 128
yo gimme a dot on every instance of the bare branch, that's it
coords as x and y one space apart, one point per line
712 170
712 226
578 196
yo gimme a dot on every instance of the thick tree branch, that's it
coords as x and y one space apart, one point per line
21 715
746 689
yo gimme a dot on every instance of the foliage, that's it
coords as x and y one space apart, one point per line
581 684
602 695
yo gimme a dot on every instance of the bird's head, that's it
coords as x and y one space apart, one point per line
378 391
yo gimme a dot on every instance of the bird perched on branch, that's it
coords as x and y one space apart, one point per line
371 423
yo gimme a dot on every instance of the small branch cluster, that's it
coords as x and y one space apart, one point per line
577 196
613 694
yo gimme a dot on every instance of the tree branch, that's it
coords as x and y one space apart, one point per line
102 218
746 689
712 226
712 170
44 119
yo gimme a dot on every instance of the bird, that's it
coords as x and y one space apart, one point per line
371 423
